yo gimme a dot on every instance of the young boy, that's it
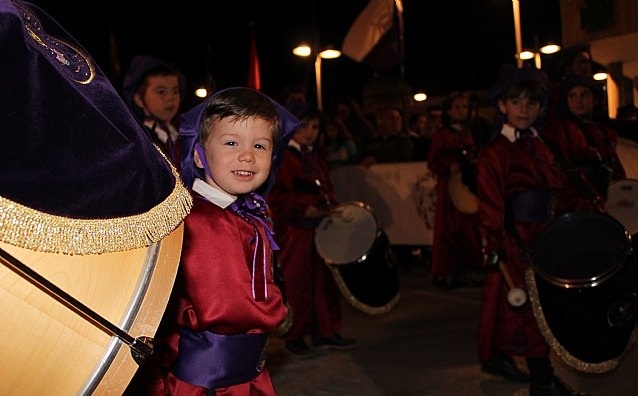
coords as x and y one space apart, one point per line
225 302
153 90
517 177
587 146
457 257
302 195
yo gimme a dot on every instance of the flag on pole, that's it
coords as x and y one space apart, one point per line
374 37
254 76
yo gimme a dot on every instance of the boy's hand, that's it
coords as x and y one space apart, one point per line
313 212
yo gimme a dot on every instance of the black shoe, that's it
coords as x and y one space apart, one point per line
336 342
554 388
506 368
299 349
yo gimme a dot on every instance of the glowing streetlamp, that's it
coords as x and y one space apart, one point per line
420 97
536 55
521 54
304 50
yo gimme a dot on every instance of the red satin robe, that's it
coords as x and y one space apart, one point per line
505 168
309 286
568 134
214 292
456 244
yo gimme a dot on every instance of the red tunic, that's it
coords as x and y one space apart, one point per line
504 169
456 241
568 134
309 286
214 292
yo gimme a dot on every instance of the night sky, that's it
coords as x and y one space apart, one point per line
449 44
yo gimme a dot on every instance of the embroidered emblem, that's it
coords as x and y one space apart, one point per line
71 60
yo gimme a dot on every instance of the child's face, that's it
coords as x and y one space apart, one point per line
332 131
390 122
239 154
307 133
161 99
459 110
520 112
580 101
581 64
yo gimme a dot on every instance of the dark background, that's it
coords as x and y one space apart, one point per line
449 44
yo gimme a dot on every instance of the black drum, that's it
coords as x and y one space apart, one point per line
584 290
358 254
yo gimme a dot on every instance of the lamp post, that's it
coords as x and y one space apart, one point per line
521 54
517 30
304 50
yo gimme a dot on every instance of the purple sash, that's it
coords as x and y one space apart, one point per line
529 206
215 361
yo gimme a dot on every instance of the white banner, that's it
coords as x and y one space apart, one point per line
400 194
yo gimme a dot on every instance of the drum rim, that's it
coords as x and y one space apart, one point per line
128 318
592 281
620 181
363 257
565 355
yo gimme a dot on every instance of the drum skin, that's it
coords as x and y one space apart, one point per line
46 348
347 235
584 290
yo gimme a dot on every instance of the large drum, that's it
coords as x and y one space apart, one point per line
46 348
357 251
463 198
584 290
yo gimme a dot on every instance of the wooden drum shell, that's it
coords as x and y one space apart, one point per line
46 348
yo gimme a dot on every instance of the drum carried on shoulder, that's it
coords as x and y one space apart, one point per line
70 354
462 184
357 251
584 290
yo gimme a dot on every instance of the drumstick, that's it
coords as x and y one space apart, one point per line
141 347
516 296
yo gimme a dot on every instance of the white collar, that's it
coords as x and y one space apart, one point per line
161 133
297 145
212 194
510 132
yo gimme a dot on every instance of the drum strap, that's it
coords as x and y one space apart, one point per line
575 176
466 155
215 361
586 127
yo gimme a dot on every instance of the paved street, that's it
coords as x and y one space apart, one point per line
426 346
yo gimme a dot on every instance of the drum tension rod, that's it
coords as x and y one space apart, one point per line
141 348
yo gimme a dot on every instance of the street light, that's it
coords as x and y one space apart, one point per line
420 97
547 49
304 50
521 54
